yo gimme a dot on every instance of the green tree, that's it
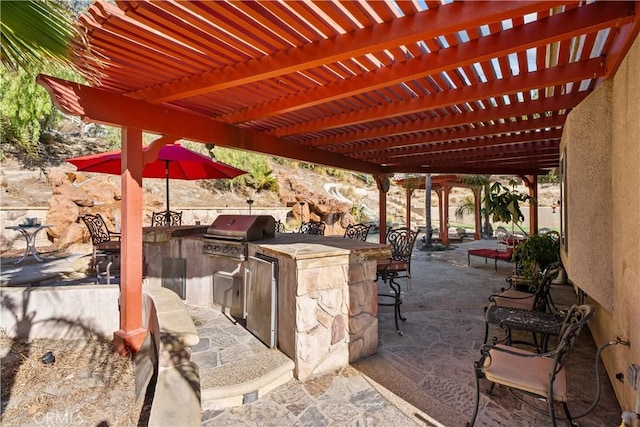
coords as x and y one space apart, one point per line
35 37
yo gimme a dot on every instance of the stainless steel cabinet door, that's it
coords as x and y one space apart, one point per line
262 298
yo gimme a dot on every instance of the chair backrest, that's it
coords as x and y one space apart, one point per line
357 231
401 241
312 227
166 219
543 286
279 227
576 318
97 228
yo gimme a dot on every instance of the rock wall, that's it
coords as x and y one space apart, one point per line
74 195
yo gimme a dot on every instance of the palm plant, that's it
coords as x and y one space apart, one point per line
36 33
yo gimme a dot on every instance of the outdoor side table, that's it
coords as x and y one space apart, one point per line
537 322
29 232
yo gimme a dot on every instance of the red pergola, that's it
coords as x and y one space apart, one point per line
379 87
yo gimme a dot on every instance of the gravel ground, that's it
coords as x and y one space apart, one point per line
88 384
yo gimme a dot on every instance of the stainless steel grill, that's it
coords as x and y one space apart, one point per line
226 241
228 235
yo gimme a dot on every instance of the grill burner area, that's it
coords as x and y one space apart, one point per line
228 235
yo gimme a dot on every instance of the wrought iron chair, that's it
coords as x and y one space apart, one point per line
279 228
539 375
402 241
513 303
357 231
313 227
166 219
105 242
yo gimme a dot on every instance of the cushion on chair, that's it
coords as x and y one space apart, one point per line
392 265
515 299
108 246
507 369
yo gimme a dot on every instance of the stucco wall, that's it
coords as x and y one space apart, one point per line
587 136
602 137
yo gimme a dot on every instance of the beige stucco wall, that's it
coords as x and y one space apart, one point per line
602 138
587 137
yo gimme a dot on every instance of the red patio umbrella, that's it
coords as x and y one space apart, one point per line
174 162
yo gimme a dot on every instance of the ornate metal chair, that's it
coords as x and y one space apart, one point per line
313 227
166 219
539 375
280 227
357 231
105 242
402 241
513 307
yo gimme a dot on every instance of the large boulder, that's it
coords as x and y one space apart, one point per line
77 195
72 235
62 213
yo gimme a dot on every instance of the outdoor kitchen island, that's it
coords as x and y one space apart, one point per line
327 299
326 303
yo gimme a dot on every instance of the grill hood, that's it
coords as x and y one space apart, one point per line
242 227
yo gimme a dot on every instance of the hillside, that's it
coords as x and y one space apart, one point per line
27 185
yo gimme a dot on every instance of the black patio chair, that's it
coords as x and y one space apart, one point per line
105 242
540 375
357 231
312 227
279 227
398 266
512 303
166 219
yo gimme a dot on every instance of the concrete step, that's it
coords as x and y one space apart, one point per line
235 367
243 382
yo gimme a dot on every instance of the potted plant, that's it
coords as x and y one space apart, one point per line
539 250
504 204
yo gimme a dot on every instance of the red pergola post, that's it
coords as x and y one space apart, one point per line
132 333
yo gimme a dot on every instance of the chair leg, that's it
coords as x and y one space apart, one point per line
396 304
486 326
476 396
568 414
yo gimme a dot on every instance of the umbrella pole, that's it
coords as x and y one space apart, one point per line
166 174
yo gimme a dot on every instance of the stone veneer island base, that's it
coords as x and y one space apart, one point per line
327 297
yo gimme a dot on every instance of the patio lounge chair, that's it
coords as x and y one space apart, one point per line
539 375
494 254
